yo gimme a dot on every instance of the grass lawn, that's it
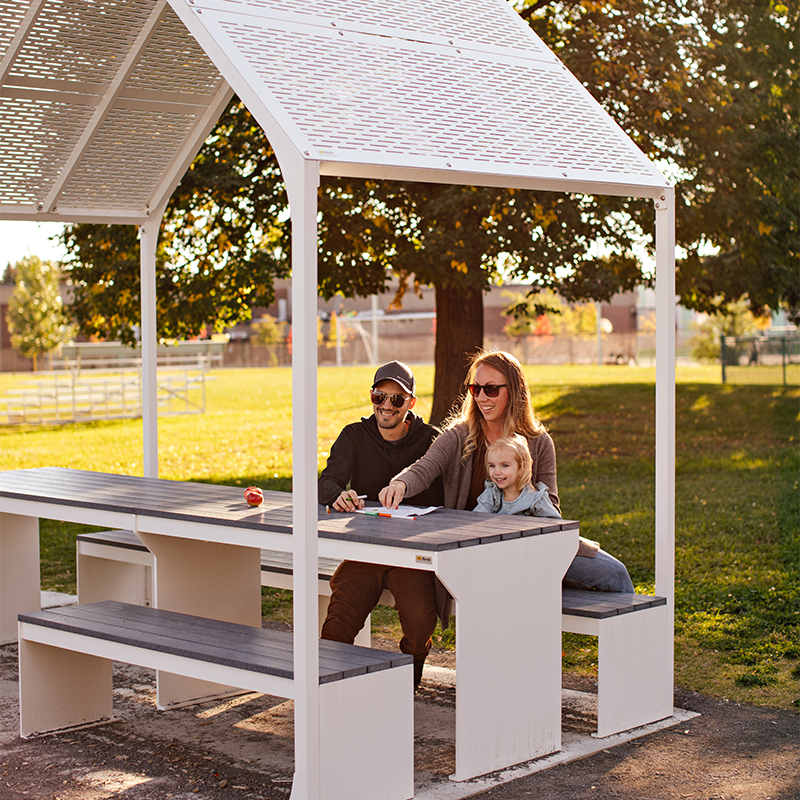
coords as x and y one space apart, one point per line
738 500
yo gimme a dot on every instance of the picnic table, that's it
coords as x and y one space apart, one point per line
504 573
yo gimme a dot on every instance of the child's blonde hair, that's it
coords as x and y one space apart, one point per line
522 454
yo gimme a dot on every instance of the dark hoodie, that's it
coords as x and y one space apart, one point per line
361 458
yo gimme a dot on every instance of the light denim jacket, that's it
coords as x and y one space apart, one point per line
531 502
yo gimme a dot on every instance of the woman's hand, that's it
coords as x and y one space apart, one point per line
392 495
348 500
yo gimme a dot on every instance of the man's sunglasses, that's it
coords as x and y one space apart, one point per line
397 400
489 389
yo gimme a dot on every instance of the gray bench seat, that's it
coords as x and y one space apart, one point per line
276 571
213 641
65 657
602 605
275 561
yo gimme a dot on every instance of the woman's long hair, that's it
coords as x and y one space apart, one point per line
520 416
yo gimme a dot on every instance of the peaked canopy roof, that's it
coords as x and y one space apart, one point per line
104 103
103 106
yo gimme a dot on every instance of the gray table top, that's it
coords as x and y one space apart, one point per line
443 529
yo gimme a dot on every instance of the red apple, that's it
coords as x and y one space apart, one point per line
254 496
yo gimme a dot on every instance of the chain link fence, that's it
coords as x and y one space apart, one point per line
761 359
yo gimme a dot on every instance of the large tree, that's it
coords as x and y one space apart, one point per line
707 89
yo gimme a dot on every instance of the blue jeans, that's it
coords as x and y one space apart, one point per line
603 572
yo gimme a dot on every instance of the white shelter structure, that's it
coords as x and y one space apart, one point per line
104 103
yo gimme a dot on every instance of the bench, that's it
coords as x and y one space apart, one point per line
66 654
630 628
631 654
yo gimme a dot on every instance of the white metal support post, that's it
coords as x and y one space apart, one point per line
665 413
148 241
301 185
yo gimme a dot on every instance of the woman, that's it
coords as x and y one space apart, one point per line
498 404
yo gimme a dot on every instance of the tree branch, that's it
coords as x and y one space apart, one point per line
534 7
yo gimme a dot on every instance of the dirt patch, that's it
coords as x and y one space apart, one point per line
242 747
729 752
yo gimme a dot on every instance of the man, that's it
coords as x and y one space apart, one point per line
363 459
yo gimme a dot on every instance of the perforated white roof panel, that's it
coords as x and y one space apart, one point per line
425 85
102 105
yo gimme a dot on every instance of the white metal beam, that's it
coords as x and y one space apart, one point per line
14 46
148 242
579 182
302 182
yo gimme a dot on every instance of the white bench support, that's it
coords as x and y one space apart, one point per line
366 697
19 571
115 565
634 683
110 571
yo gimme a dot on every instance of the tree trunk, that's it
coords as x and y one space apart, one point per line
459 333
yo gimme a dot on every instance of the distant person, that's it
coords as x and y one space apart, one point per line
363 459
753 360
498 405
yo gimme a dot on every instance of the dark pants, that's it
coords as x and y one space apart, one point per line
356 588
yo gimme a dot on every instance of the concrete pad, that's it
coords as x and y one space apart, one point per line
58 599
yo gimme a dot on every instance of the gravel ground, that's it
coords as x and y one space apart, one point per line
242 748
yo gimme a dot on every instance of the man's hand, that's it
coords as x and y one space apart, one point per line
348 500
392 495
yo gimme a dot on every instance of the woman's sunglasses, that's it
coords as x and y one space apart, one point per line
397 400
489 389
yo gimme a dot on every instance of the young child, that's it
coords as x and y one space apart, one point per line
509 490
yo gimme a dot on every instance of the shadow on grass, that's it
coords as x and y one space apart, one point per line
737 509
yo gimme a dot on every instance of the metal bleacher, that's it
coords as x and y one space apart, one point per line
101 381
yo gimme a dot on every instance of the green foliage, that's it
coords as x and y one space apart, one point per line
731 319
36 317
710 91
268 330
9 275
468 237
546 313
339 331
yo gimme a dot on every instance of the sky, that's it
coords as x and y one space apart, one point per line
20 239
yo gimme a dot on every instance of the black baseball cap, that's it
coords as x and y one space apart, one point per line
398 372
